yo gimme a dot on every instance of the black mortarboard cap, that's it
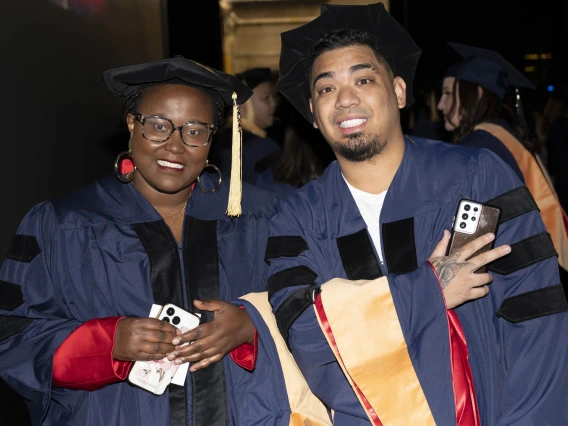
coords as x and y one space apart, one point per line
488 69
395 43
178 70
255 76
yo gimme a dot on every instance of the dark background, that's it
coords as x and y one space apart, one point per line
501 25
60 130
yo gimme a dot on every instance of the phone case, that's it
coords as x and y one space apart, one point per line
155 376
477 223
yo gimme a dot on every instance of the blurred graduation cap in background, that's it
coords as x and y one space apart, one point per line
491 71
488 69
252 77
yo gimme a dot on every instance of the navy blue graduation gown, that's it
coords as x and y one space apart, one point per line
483 139
517 335
105 251
266 181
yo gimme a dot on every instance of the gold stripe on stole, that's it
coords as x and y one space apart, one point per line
307 409
540 186
371 350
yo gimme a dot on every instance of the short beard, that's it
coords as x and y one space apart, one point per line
359 148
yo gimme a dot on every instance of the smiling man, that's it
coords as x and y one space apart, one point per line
384 327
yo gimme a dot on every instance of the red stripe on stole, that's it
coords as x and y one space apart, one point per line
467 411
327 330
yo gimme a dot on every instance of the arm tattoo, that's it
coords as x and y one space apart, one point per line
448 267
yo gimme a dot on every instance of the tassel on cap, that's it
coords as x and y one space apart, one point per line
236 185
519 109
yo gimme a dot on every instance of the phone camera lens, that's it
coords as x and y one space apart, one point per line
462 225
166 319
473 218
176 320
464 216
467 207
475 209
170 311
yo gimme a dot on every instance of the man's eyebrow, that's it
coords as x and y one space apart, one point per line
352 69
327 74
362 66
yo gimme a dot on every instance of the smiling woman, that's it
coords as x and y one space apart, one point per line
167 161
83 272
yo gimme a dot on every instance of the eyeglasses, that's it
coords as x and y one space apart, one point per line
159 129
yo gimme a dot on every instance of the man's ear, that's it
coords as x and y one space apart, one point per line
399 87
313 116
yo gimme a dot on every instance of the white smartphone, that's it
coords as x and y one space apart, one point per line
155 376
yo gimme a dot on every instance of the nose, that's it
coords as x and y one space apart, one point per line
441 103
175 143
346 98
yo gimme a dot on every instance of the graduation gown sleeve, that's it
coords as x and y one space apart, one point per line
35 320
84 360
525 310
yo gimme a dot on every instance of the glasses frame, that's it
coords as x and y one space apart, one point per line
141 118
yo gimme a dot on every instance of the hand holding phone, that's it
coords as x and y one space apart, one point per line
456 272
472 220
139 338
467 250
155 376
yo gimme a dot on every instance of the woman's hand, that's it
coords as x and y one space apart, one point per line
211 341
143 339
456 272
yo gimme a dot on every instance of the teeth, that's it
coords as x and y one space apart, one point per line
352 123
171 165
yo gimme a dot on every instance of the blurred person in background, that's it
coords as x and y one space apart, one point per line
259 151
557 147
304 156
425 119
472 104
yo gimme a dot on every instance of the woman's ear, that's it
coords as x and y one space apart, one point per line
130 124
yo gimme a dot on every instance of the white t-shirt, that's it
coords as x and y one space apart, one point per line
370 206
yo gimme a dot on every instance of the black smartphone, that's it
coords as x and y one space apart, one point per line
472 220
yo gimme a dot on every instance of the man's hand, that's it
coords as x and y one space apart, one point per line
456 272
211 341
143 339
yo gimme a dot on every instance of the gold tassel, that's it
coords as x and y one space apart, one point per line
236 185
